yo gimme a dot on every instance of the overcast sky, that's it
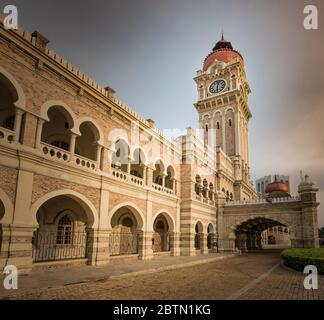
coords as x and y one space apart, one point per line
149 51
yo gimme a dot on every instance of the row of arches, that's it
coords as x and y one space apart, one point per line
62 135
136 163
199 242
228 195
65 220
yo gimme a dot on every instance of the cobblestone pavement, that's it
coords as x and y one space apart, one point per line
242 277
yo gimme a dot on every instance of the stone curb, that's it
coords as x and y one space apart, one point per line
121 276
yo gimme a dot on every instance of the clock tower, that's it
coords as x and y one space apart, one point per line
223 104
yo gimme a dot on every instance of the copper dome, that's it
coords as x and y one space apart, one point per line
276 186
222 51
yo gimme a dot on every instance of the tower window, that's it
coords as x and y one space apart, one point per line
217 125
206 128
230 122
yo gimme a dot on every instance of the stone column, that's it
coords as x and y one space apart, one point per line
17 237
129 165
39 129
17 127
224 133
149 176
72 145
17 246
175 243
98 246
203 243
237 133
144 172
307 191
145 250
99 160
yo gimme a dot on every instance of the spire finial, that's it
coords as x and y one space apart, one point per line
222 36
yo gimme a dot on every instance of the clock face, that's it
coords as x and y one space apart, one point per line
217 86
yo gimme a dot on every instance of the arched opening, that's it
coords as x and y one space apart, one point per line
138 163
123 239
276 237
169 179
62 230
86 144
8 97
210 236
158 173
198 235
120 157
253 234
57 131
161 239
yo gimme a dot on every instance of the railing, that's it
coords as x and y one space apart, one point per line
124 176
205 200
6 135
121 243
55 152
261 201
46 246
85 162
158 187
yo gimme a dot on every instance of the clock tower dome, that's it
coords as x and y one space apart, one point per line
222 104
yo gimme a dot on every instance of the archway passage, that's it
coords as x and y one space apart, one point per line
249 233
161 236
124 237
62 231
198 235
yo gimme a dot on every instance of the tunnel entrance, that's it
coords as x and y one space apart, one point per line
253 234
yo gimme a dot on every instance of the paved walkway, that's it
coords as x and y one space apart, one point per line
67 276
252 276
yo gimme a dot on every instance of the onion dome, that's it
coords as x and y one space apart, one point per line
277 189
222 51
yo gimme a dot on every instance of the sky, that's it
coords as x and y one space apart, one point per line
149 52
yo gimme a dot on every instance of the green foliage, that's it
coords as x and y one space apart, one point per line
298 258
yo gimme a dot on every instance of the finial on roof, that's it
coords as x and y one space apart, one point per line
222 36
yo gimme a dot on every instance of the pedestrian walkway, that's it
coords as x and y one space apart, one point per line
62 277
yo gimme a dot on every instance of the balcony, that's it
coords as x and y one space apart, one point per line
62 155
126 177
55 153
6 135
158 187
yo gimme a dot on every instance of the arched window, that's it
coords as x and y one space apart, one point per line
230 122
64 230
206 127
217 125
